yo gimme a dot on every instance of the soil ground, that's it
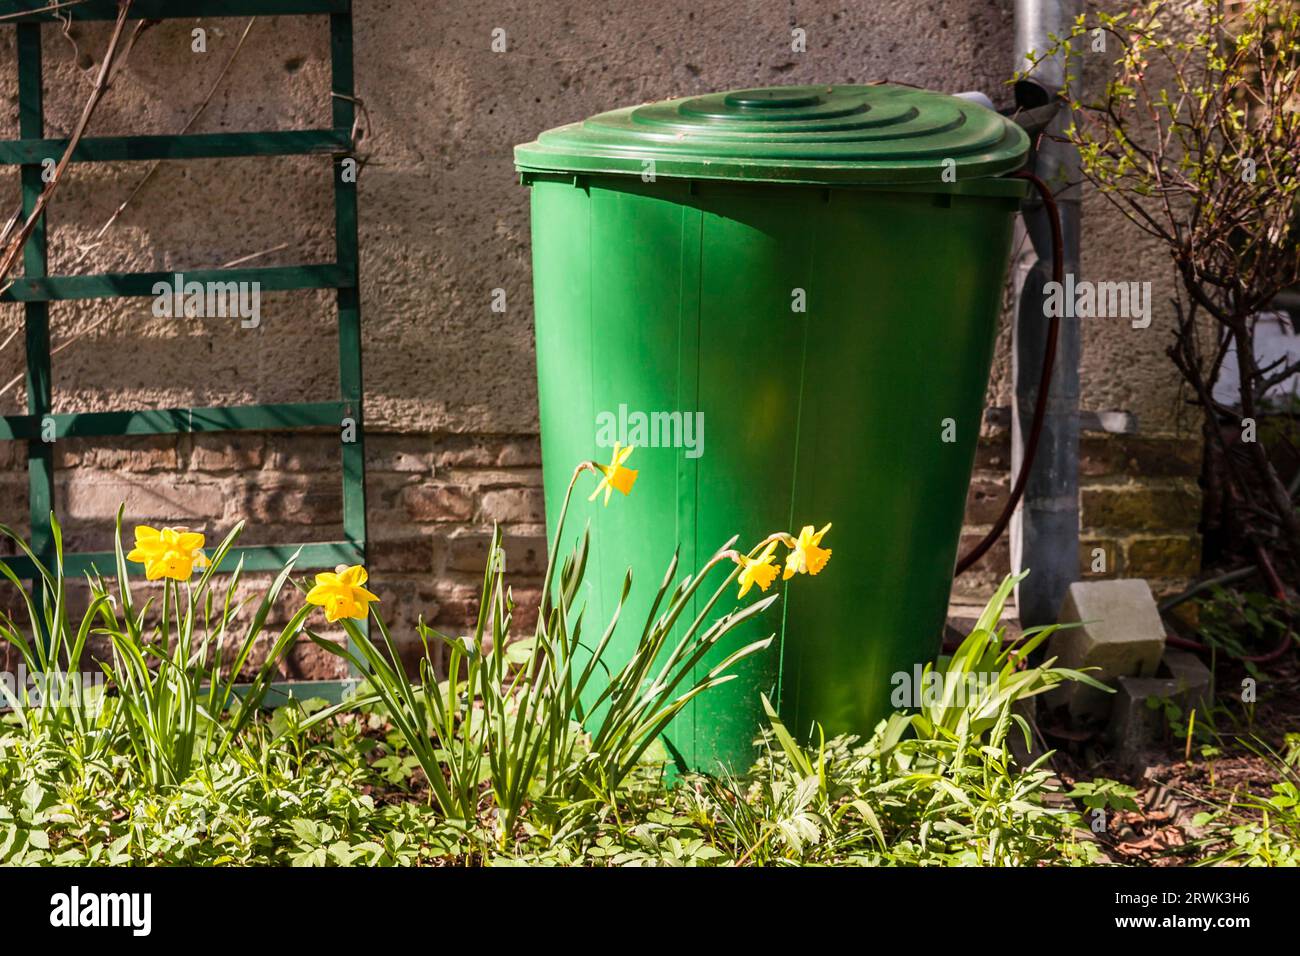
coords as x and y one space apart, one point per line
1171 789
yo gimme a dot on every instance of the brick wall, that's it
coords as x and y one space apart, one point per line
1140 504
432 501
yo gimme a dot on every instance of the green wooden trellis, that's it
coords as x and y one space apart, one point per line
36 289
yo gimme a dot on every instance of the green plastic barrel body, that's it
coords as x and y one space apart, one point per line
809 353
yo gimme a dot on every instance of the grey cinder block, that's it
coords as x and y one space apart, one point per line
1117 630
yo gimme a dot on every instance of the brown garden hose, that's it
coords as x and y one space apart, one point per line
1044 382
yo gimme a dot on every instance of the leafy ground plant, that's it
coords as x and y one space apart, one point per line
497 761
512 713
1250 829
169 686
62 715
938 785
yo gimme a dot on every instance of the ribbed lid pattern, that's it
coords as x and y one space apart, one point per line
797 134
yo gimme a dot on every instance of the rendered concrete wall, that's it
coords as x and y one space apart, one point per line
451 396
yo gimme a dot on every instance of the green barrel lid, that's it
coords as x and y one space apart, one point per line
826 135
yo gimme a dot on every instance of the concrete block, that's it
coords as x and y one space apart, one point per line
1118 630
1135 727
1195 680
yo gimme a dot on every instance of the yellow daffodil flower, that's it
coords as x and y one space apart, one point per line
340 593
806 557
615 475
760 570
169 553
